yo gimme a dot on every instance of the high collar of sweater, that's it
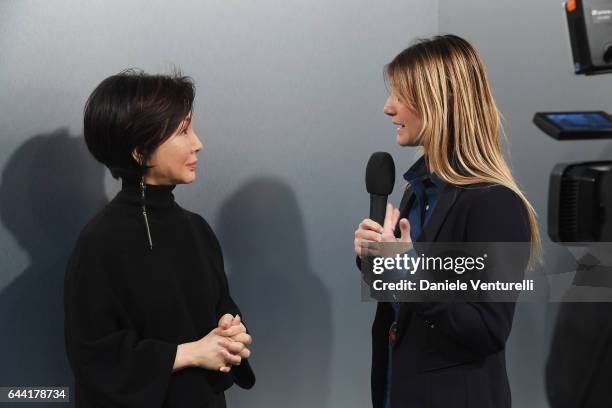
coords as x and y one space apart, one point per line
155 196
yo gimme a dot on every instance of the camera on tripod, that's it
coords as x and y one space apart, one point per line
580 194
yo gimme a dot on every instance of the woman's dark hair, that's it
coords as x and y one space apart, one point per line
134 110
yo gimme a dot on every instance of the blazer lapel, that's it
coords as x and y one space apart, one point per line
447 198
405 204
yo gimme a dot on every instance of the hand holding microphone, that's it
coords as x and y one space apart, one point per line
380 178
371 231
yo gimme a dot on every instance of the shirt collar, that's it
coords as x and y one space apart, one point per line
417 173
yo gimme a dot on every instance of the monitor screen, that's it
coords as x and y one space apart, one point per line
577 121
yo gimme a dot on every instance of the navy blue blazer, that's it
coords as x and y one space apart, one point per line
452 355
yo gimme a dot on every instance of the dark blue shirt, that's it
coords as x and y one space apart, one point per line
426 188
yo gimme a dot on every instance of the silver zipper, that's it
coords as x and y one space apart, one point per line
144 212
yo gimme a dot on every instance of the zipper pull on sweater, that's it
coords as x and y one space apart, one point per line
144 211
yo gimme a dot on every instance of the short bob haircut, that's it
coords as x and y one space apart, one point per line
131 111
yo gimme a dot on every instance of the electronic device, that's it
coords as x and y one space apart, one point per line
590 30
580 194
580 202
575 125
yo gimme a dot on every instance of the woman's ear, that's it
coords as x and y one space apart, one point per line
137 156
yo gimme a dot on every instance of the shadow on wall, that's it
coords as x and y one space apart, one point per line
50 188
286 306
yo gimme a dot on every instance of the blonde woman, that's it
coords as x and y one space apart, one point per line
436 354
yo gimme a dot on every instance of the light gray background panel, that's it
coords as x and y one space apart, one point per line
289 108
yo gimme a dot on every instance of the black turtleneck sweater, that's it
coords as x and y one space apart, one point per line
128 307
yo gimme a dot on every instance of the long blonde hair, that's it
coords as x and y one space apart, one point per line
444 81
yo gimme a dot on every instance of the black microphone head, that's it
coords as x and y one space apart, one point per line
380 174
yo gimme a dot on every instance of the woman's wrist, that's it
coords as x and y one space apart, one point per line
184 357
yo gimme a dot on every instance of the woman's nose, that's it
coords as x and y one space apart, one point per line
198 144
388 108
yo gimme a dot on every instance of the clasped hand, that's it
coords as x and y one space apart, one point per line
235 339
225 346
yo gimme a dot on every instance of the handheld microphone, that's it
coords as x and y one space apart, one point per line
380 178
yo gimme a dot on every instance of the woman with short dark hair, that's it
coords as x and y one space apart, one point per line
149 321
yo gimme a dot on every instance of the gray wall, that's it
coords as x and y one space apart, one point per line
289 108
288 93
526 48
